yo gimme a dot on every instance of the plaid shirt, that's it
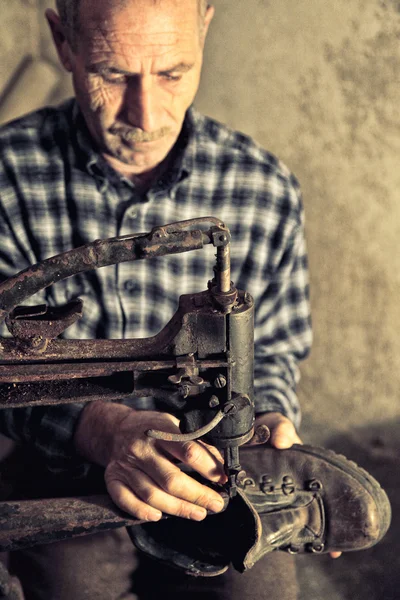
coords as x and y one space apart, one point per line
56 193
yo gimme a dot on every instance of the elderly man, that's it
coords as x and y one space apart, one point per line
128 153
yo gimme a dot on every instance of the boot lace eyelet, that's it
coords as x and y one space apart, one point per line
314 485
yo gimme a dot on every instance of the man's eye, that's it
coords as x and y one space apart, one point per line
171 77
114 78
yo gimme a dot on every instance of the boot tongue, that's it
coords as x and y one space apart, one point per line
291 528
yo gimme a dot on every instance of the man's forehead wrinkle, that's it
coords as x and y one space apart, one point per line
109 54
138 43
129 50
174 34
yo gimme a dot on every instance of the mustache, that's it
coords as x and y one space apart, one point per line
135 134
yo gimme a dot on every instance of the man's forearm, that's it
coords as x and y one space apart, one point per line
96 430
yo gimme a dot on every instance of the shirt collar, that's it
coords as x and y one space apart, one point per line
180 167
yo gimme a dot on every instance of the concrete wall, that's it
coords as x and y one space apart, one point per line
317 83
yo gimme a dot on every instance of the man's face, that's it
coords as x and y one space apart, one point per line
136 70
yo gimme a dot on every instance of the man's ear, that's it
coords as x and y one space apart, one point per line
207 20
64 50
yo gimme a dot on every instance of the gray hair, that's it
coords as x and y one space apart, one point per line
69 15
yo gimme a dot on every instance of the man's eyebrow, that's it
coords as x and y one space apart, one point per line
179 68
100 69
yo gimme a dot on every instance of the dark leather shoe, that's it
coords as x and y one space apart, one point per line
312 500
304 499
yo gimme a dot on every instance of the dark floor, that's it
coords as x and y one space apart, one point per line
371 574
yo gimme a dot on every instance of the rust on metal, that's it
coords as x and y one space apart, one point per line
30 322
190 357
28 522
100 253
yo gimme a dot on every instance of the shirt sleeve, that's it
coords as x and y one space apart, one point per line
283 333
49 429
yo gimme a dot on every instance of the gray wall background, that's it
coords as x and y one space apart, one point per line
317 83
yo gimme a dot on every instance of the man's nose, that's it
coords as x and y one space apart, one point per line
141 104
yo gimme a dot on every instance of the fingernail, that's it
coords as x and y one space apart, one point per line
199 514
155 515
216 506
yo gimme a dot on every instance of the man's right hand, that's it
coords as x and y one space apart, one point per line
142 474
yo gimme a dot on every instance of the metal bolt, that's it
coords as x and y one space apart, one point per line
220 381
213 402
36 341
184 391
229 408
248 299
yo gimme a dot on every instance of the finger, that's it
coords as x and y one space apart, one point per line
126 500
153 495
284 435
202 458
172 452
335 554
177 484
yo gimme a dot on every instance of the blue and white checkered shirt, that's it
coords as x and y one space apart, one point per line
56 193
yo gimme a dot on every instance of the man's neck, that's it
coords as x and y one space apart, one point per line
144 180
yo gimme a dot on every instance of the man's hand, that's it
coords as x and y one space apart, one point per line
141 474
282 431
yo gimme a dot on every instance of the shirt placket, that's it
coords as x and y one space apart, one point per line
130 275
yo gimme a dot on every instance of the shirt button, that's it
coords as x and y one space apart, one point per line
130 286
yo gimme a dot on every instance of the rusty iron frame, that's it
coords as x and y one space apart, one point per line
37 368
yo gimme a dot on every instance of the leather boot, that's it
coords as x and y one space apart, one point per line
304 499
323 501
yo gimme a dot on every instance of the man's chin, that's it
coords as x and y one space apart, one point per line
137 158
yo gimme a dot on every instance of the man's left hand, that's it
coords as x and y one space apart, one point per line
282 431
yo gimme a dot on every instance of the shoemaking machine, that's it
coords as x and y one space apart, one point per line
200 365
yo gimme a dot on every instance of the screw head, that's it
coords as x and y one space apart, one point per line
229 409
184 390
220 381
213 402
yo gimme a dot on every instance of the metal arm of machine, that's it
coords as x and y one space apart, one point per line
200 364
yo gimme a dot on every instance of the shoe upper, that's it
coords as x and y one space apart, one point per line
303 499
328 502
